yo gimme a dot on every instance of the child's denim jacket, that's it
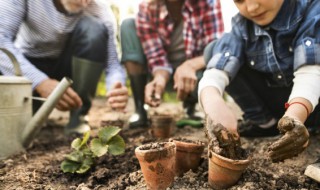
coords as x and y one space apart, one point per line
276 50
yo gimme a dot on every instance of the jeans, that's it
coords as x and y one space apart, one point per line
87 41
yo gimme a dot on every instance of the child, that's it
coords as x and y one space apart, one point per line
271 56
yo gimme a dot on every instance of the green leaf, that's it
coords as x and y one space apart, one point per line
105 134
87 152
86 165
69 166
75 156
79 143
116 145
76 144
98 148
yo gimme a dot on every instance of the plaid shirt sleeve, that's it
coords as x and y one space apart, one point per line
214 26
150 39
206 24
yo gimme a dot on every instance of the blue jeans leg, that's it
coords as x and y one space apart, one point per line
88 41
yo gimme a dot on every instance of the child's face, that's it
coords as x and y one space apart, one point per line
75 6
261 12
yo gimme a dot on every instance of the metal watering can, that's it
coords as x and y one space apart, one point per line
17 126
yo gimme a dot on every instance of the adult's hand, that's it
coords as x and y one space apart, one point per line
69 100
154 89
118 96
293 142
185 80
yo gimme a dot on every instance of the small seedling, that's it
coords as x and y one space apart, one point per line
84 154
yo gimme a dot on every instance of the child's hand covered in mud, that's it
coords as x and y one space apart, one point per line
221 141
293 142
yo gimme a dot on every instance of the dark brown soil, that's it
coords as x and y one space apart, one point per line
39 166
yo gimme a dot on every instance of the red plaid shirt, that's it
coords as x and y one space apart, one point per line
202 24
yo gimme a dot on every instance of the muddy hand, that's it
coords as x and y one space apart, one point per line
293 142
153 94
228 142
155 98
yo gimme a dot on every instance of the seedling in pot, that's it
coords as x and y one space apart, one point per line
84 154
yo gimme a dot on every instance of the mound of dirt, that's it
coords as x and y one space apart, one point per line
39 166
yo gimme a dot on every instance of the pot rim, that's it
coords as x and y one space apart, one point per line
168 146
189 146
245 161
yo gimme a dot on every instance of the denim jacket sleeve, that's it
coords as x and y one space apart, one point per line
307 43
228 52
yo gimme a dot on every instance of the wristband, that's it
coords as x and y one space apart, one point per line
287 105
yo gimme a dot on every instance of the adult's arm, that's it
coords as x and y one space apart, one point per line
150 39
12 15
114 70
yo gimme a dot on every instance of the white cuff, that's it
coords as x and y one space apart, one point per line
214 78
306 84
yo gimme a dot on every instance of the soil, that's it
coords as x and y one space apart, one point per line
39 166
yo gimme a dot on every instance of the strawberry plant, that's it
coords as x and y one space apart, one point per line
84 153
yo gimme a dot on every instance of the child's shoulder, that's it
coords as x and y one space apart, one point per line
239 22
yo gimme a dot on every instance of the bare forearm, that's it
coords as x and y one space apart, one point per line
299 108
196 63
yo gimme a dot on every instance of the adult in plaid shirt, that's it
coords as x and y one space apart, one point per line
166 40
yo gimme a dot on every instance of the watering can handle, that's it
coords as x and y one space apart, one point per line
14 61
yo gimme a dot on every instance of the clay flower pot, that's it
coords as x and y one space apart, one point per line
157 162
224 172
161 126
188 155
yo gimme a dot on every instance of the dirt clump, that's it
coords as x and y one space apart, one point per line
224 143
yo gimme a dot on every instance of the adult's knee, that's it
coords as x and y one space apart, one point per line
90 38
130 43
127 27
91 30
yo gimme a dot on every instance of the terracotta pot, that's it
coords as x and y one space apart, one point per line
161 126
188 155
224 172
157 165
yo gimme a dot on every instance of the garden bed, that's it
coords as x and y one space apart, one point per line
39 166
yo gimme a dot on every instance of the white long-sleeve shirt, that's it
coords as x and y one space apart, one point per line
306 83
36 29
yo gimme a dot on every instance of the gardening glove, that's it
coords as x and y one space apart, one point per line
293 142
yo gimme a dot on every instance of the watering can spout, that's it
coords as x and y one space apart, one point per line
33 126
